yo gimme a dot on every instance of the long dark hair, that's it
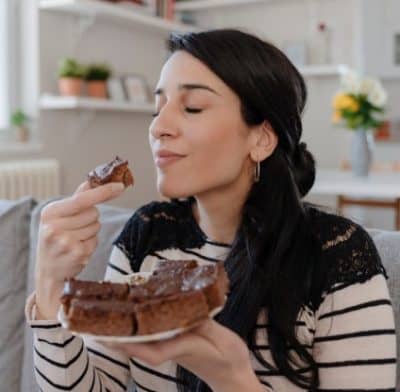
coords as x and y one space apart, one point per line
273 264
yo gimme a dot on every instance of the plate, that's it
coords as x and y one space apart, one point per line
135 338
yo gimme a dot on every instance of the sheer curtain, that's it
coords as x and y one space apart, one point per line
5 61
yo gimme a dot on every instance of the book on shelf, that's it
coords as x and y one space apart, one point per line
161 8
165 9
146 7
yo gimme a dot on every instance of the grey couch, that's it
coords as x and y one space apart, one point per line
18 227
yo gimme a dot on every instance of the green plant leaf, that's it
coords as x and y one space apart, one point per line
70 68
18 118
98 72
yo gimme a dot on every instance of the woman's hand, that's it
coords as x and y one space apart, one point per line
67 238
211 351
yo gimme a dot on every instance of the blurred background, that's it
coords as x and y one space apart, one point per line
76 82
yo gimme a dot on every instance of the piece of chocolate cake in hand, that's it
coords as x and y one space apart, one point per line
115 171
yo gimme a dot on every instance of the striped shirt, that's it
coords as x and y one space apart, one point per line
351 334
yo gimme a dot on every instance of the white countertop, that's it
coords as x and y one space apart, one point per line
381 185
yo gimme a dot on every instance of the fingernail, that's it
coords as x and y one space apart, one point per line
117 186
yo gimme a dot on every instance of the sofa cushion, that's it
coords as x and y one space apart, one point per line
14 249
388 245
112 220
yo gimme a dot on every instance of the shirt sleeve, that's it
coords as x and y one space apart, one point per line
66 362
355 340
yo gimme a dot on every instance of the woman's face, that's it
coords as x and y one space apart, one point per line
197 117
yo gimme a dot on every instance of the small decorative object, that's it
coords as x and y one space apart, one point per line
356 105
19 121
71 75
296 52
382 133
321 45
165 9
96 77
389 131
115 89
136 88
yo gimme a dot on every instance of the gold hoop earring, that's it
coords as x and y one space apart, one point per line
257 172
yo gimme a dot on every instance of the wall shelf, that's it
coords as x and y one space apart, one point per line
203 5
113 12
10 147
323 70
52 102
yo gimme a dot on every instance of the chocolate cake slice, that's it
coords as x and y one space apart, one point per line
178 293
115 171
101 317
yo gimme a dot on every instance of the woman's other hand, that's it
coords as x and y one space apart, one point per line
213 352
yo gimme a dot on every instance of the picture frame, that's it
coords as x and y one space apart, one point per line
115 88
396 44
136 88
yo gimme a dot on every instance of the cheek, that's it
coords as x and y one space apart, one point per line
216 158
223 149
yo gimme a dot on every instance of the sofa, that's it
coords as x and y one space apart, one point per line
19 222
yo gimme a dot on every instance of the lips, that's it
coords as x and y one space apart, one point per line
164 158
165 161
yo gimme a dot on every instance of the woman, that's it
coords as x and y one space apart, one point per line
309 307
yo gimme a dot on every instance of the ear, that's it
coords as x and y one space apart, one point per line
264 142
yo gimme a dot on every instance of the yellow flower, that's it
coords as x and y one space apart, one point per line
345 102
336 117
337 100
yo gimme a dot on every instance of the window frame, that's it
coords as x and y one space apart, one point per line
10 41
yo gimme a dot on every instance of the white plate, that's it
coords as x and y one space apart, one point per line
136 338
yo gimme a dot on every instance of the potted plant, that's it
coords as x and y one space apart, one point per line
96 77
71 75
19 121
358 105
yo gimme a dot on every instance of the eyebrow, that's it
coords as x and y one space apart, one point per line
188 86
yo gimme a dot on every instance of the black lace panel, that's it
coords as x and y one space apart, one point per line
348 249
349 253
158 226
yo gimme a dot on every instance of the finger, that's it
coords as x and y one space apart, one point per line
90 245
156 353
77 221
86 232
84 200
212 331
63 245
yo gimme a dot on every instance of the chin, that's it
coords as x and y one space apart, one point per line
173 190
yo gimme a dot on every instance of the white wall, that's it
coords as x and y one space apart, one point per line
92 138
81 142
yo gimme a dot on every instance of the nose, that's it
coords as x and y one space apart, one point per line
164 124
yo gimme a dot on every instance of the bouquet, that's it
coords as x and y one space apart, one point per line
359 103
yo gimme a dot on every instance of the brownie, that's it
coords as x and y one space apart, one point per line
178 293
100 317
115 171
171 312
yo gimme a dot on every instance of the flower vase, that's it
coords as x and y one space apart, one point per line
361 151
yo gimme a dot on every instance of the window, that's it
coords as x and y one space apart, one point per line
8 50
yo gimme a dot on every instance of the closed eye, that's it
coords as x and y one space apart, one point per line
187 109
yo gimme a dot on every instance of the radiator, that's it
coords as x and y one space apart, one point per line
38 178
